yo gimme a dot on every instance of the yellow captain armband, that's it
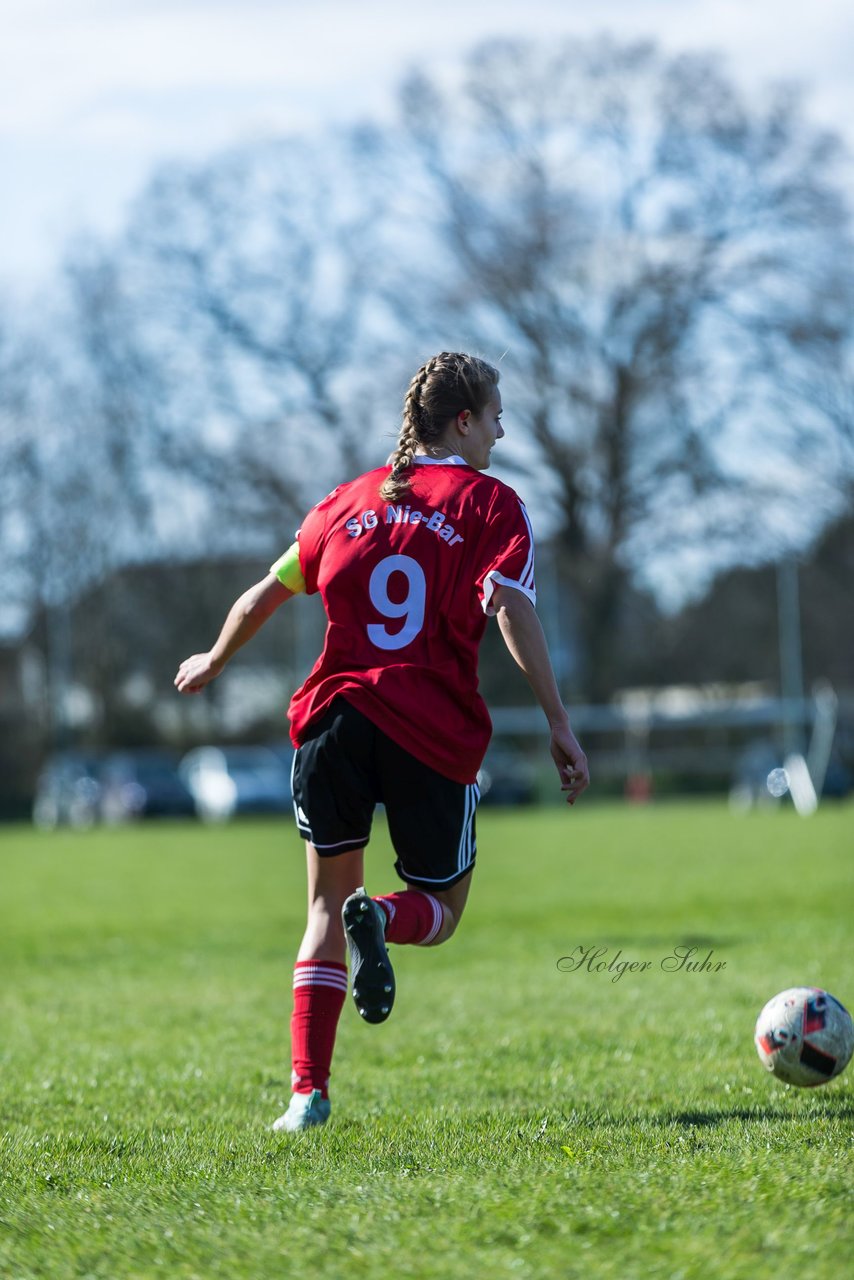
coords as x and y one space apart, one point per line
287 570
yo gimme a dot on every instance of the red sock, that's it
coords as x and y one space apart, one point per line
412 916
319 990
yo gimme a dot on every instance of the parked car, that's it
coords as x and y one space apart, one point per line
68 791
506 777
225 781
143 784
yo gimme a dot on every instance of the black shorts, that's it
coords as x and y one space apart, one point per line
346 766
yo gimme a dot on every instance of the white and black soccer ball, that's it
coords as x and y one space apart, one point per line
804 1036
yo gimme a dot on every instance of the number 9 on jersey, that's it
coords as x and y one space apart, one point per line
411 607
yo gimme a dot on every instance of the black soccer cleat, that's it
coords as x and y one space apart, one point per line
371 974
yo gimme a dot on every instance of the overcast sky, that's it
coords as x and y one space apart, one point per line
93 93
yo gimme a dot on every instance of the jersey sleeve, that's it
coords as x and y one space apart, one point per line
508 559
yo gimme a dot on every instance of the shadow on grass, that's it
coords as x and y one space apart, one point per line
671 940
834 1109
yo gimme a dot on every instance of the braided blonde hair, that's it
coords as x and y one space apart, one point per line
441 389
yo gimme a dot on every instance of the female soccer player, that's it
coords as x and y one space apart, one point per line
410 559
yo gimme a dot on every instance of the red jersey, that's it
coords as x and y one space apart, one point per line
407 589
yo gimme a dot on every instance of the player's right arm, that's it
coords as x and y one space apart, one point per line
246 616
523 635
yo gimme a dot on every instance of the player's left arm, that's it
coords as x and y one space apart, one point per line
246 616
523 635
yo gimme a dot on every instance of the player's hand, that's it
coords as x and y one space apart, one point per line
571 762
194 673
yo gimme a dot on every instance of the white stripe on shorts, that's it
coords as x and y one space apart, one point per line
293 798
467 848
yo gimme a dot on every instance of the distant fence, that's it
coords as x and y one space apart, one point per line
696 733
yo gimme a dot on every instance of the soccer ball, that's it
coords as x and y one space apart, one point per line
804 1036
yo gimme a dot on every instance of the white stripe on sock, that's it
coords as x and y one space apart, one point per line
438 919
338 984
319 974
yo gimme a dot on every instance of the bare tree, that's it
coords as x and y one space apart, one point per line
17 370
201 386
73 495
252 281
663 261
652 251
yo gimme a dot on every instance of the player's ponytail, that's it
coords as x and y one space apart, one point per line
441 389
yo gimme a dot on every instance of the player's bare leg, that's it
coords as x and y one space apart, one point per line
453 902
330 883
320 986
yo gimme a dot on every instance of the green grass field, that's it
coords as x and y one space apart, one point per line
510 1120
